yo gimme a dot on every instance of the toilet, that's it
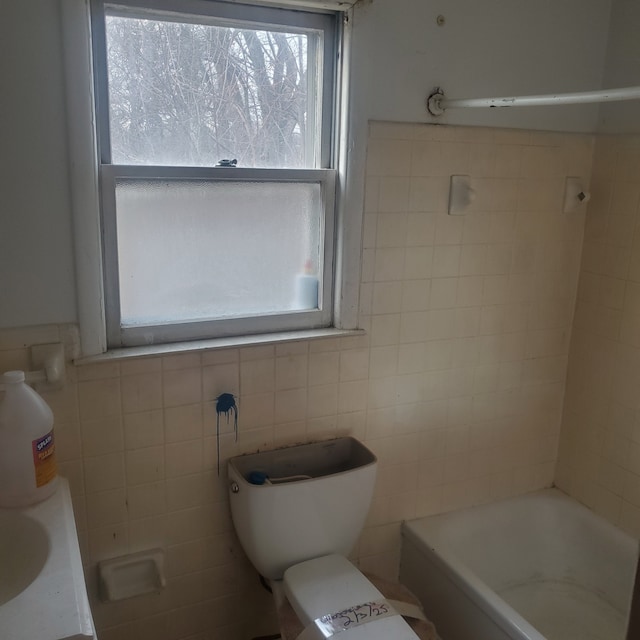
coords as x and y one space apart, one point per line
298 512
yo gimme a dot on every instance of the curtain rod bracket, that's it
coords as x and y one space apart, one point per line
434 102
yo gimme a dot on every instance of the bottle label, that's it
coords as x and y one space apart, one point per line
44 459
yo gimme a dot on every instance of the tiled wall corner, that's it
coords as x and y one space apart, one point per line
599 460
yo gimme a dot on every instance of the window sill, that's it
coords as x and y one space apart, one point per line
217 343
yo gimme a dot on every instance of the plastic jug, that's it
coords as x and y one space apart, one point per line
28 470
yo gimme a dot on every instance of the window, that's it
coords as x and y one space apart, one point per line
217 174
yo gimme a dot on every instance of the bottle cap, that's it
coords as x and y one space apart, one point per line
13 377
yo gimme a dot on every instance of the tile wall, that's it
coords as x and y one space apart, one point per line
457 385
599 460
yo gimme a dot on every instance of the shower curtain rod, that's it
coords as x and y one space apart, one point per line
437 103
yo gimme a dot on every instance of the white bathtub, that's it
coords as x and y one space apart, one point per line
536 567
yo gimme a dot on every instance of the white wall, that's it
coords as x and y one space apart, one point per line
489 48
36 254
399 54
622 68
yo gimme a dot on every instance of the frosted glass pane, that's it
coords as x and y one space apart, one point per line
183 94
195 250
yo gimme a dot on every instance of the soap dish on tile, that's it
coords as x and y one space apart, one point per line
132 575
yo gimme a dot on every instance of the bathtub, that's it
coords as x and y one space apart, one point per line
537 567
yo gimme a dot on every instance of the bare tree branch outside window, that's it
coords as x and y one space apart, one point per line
191 94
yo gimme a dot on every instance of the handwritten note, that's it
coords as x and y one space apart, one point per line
334 623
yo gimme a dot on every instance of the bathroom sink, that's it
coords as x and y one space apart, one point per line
24 549
43 595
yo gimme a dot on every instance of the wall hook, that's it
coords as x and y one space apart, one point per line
574 195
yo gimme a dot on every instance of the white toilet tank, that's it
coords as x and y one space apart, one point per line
313 501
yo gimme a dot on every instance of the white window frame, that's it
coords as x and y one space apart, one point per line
324 175
349 129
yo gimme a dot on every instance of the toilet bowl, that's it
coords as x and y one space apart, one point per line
298 512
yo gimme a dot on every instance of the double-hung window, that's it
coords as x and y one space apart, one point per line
217 178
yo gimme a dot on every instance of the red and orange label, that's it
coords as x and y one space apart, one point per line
44 459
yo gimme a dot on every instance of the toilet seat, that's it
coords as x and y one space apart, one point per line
330 584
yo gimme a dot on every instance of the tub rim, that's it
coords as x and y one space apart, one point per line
504 615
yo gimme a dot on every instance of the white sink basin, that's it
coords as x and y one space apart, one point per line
42 590
24 549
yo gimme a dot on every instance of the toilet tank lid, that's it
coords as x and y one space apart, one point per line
330 584
325 585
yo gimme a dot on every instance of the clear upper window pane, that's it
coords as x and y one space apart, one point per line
196 250
185 94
